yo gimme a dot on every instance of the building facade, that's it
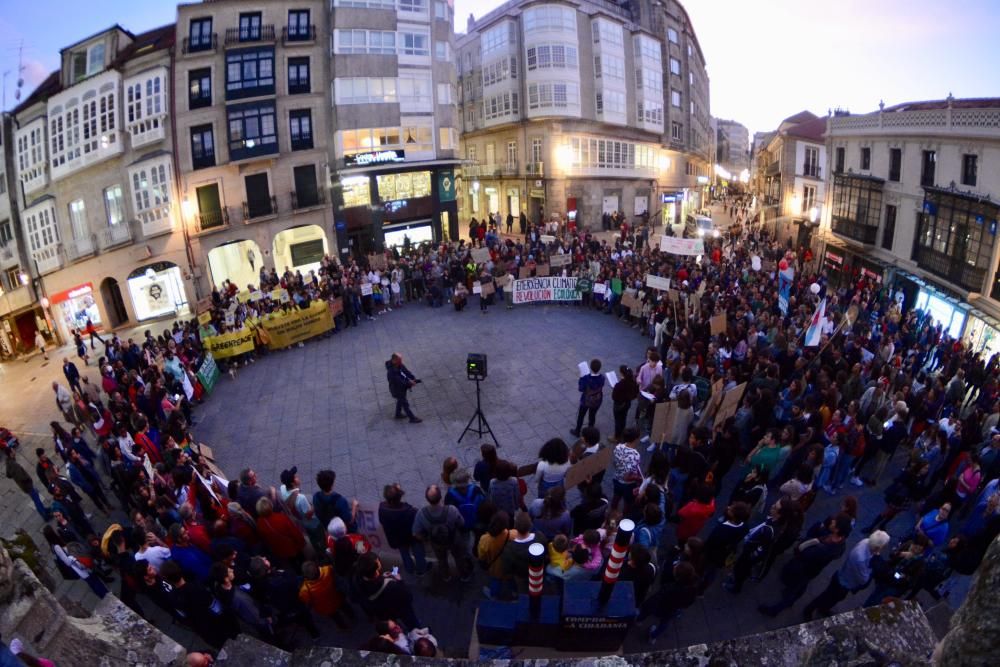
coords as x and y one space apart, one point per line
571 109
732 147
788 178
913 202
95 167
395 126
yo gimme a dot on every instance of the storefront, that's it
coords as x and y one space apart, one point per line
844 267
157 290
982 334
73 307
385 205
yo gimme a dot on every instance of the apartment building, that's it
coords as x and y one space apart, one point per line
913 202
252 123
576 108
95 170
789 178
395 125
733 147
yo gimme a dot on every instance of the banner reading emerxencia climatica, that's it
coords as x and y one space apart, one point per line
552 288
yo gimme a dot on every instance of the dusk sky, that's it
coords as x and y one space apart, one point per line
767 59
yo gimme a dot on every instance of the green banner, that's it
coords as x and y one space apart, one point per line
584 285
446 185
209 373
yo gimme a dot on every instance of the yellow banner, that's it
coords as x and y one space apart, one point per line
298 325
230 344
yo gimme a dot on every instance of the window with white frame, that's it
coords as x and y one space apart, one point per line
114 205
144 97
413 6
470 153
78 219
675 66
593 153
414 44
365 90
415 90
470 118
607 33
497 37
368 139
369 4
649 50
444 95
442 50
500 105
609 66
440 10
31 159
557 95
536 149
500 70
549 17
544 56
676 131
649 81
418 137
512 155
40 224
610 102
675 98
808 198
672 35
447 138
649 112
150 183
365 41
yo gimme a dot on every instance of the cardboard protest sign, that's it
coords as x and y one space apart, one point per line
477 287
674 296
628 300
203 304
480 255
657 282
587 467
370 527
547 238
524 272
718 324
730 403
542 271
662 421
714 399
560 260
527 469
378 261
488 289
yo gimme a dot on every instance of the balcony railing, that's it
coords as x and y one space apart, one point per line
148 130
298 34
200 45
510 169
307 199
953 269
212 220
48 259
812 171
261 209
81 247
262 33
853 230
114 235
535 169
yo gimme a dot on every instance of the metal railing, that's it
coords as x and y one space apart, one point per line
212 220
113 235
307 200
954 269
812 171
254 210
535 169
296 34
261 33
200 45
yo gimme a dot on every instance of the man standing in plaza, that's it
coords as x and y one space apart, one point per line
401 380
17 473
591 388
854 575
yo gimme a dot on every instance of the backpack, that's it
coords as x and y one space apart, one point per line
439 532
468 506
592 396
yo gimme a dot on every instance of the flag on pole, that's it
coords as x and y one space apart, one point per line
815 329
785 279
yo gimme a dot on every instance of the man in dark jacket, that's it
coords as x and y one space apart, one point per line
16 472
591 388
400 381
810 559
277 595
383 594
72 374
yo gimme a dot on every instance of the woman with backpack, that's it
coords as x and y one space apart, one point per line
591 388
467 497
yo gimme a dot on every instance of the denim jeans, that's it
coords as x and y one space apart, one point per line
840 471
39 505
411 553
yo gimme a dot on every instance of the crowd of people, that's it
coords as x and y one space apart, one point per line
885 393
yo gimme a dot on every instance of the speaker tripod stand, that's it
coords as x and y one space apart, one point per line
482 426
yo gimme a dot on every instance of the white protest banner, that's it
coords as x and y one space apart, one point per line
560 260
370 528
599 288
679 246
547 238
554 288
657 282
366 289
256 295
480 255
584 368
477 287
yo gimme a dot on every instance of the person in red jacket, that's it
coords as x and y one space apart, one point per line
695 514
283 538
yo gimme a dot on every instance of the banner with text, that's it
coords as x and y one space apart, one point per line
549 288
298 325
679 246
230 344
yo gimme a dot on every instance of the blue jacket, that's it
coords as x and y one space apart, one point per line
592 383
